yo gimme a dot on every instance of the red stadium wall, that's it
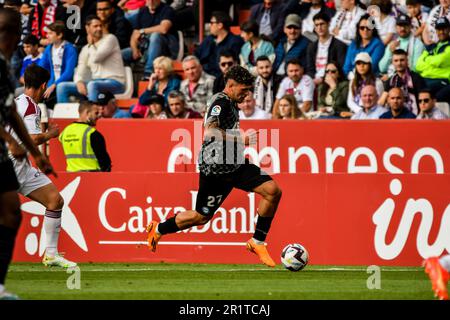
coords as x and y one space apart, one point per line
354 193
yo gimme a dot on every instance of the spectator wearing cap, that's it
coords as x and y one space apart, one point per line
343 24
327 48
434 64
405 79
249 111
219 40
362 76
397 109
370 109
254 46
367 40
269 16
298 84
153 35
178 109
442 10
156 109
427 106
108 106
100 66
198 85
60 59
292 46
405 41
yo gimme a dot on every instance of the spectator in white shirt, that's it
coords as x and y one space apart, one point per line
249 110
384 23
343 24
427 106
370 108
100 66
298 84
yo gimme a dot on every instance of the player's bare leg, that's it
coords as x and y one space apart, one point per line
51 199
271 195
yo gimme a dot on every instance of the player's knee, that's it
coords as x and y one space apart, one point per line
56 202
201 219
272 192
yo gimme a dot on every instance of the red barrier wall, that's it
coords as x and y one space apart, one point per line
360 206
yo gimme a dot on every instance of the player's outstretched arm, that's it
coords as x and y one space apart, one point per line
52 132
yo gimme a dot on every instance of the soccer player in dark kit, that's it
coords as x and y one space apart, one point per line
223 167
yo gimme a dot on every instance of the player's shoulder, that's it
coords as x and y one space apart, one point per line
218 103
26 106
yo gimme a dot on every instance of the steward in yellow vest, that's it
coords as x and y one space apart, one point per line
85 147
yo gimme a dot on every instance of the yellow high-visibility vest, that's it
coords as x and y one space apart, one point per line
76 142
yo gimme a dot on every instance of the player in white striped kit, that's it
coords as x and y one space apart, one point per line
33 183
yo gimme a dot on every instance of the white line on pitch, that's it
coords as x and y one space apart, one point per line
184 243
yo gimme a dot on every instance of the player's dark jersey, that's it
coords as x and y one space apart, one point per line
219 156
6 102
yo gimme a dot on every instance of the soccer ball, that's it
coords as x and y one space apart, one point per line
294 257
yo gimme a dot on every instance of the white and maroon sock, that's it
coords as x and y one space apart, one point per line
445 262
52 227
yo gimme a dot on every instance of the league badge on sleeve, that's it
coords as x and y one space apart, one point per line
216 110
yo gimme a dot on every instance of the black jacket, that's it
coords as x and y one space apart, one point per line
336 52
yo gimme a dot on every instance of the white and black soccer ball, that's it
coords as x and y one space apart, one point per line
294 257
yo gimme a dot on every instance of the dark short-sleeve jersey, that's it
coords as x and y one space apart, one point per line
219 156
6 103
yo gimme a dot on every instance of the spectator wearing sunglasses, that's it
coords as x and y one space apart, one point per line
292 46
226 61
332 94
367 40
427 106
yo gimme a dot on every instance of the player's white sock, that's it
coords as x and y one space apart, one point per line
445 262
52 227
157 230
257 241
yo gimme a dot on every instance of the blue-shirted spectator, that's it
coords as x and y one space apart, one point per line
31 49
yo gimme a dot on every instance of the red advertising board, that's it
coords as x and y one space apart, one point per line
354 193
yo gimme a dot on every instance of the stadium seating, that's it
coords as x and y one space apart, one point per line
66 110
129 85
235 30
444 107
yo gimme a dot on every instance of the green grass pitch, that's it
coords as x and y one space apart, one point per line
215 282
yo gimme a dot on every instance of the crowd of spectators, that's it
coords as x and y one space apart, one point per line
312 59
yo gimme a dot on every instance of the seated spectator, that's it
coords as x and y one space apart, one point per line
178 109
430 34
156 108
370 109
226 61
163 80
100 66
406 41
404 78
292 46
186 15
31 49
327 48
333 93
60 59
298 84
343 24
384 22
427 106
153 35
131 7
249 111
434 64
367 40
42 15
289 109
266 84
220 39
397 109
114 22
198 85
253 47
269 16
418 18
78 36
362 76
83 145
108 106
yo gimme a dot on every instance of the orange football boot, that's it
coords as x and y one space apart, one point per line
261 251
152 236
438 276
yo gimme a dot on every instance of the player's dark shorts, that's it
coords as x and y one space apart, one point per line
9 179
214 189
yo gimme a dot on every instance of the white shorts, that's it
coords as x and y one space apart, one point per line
30 178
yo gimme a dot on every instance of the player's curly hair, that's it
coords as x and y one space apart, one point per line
240 75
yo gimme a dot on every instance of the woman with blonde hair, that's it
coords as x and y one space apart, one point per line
288 108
